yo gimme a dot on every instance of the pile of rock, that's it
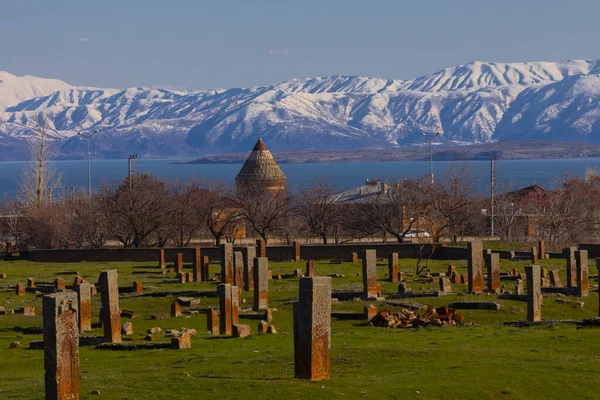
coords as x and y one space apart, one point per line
441 316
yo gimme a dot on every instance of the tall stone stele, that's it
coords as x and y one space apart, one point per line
475 267
534 293
61 346
312 328
111 314
261 283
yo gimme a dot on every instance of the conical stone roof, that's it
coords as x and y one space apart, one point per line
261 167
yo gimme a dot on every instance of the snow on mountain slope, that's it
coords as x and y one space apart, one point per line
15 89
475 102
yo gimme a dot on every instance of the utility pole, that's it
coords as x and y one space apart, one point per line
130 167
430 138
89 137
493 178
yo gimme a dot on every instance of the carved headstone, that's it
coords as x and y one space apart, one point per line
197 274
20 289
261 248
179 263
369 271
238 262
581 263
110 313
212 321
571 266
492 262
225 322
475 266
204 269
555 278
249 256
393 267
312 328
445 285
261 283
61 346
226 251
310 268
84 305
534 293
161 259
297 257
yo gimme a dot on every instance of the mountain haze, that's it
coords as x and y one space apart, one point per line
473 103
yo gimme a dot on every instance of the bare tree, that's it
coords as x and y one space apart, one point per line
220 213
138 208
264 209
186 214
92 225
40 179
317 208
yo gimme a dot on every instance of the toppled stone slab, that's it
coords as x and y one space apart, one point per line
475 305
188 301
521 324
36 345
405 304
517 297
589 323
415 295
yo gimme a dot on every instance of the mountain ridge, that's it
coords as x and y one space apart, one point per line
476 102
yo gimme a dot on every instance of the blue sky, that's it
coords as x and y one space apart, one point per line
228 43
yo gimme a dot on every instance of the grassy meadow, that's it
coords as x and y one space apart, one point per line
485 361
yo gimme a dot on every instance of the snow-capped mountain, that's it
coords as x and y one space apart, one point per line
472 103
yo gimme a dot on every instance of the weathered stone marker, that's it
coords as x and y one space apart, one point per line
84 305
492 263
354 257
161 259
541 249
369 271
297 257
235 305
30 283
534 293
519 286
225 324
393 267
61 346
204 269
555 278
138 287
312 328
110 313
226 251
59 284
212 321
310 268
445 286
261 283
571 266
197 264
581 264
261 248
475 266
249 256
451 270
534 255
238 262
179 263
20 289
175 310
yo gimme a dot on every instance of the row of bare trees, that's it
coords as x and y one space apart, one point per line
145 211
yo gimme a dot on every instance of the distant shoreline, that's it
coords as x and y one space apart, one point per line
506 150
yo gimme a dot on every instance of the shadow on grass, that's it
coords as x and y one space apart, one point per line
244 379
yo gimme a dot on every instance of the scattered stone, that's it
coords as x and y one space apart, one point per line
578 304
263 326
154 331
14 345
241 331
27 311
188 301
95 392
3 276
127 328
272 329
128 314
158 316
183 341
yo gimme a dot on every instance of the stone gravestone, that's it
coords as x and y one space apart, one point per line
229 307
197 265
534 256
249 256
161 259
226 251
175 310
204 269
61 346
310 268
261 248
238 262
541 249
110 313
534 293
445 285
492 262
138 287
261 283
519 286
84 305
179 263
30 283
354 257
212 321
312 328
20 289
369 271
59 284
555 278
475 267
581 264
297 257
393 267
451 270
571 266
235 305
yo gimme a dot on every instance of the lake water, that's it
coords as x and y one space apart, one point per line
516 173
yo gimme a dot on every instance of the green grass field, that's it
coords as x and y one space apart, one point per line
486 361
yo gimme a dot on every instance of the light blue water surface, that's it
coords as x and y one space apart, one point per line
513 173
